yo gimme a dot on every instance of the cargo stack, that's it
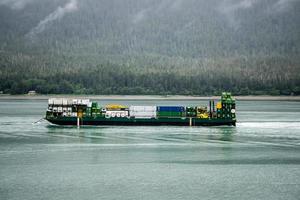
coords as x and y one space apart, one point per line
171 111
143 112
191 111
226 108
67 107
60 107
95 110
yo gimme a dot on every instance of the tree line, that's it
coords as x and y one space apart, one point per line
250 76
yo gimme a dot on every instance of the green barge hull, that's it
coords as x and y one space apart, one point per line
141 122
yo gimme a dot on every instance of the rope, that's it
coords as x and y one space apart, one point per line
40 120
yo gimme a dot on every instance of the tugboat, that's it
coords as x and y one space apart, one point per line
78 112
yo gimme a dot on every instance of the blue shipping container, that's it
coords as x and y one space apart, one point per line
170 109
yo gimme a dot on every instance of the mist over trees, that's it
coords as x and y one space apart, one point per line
191 47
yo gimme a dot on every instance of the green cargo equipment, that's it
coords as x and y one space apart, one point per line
228 107
191 111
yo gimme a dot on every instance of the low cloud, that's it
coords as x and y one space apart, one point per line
229 7
158 9
283 5
140 16
16 4
59 13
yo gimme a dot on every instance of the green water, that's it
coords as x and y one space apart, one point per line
258 159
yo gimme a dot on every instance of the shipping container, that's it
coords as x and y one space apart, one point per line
142 111
170 109
50 101
143 115
69 102
81 102
74 101
57 101
143 108
170 114
65 102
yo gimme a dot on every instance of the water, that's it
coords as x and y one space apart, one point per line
258 159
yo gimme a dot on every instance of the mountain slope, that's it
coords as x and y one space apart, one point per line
150 46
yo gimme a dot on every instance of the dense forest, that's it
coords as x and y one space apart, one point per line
189 47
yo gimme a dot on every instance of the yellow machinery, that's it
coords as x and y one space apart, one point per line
219 105
202 112
115 107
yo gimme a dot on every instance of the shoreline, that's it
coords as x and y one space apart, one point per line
148 97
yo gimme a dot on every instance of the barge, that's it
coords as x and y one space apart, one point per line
79 112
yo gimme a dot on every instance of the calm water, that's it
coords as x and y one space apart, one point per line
258 159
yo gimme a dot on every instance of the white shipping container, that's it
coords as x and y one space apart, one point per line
142 111
59 109
64 102
144 117
51 101
81 101
70 102
85 101
144 114
143 108
57 101
74 101
150 108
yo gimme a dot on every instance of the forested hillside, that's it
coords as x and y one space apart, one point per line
192 47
